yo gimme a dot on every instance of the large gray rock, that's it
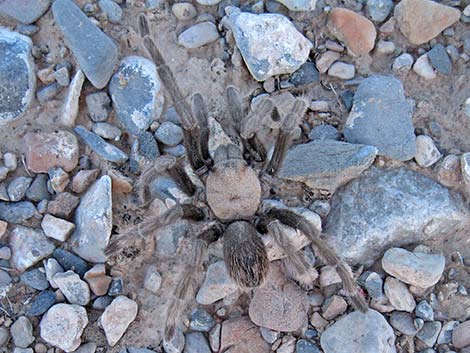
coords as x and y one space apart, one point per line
359 333
381 117
93 221
269 43
16 212
24 11
95 52
326 164
136 92
395 207
17 77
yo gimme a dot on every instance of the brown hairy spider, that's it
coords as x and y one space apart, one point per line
225 208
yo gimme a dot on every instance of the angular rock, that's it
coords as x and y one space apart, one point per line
391 207
22 332
117 317
93 220
427 153
106 131
69 111
95 52
403 322
461 335
97 279
333 307
35 279
169 134
445 336
269 43
201 321
73 288
326 164
176 343
440 60
325 60
196 342
56 228
423 68
63 205
24 11
429 333
38 189
52 267
217 284
424 311
152 280
41 303
197 36
136 92
17 212
399 295
99 106
83 179
70 262
242 336
422 20
17 188
17 76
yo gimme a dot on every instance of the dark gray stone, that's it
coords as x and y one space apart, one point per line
403 322
196 342
16 212
35 279
41 303
38 189
116 287
391 207
429 333
176 151
304 346
324 132
48 92
100 146
307 74
70 262
440 60
347 97
381 117
374 285
201 321
148 147
101 303
378 10
24 11
169 134
95 52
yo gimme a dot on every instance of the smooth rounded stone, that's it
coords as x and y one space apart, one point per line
355 31
93 221
269 43
70 262
63 325
112 10
152 280
196 342
461 335
56 228
28 247
381 117
73 288
27 30
365 218
326 164
417 269
17 76
424 311
307 74
47 93
445 336
217 284
99 106
320 207
361 333
41 303
268 335
5 251
35 279
378 10
117 317
424 68
44 151
38 189
385 47
422 20
169 134
184 11
299 5
427 153
324 132
342 70
101 147
201 321
22 332
279 305
399 295
403 63
95 52
106 131
176 151
5 282
429 333
24 11
242 335
440 60
304 346
10 160
17 212
17 188
176 343
403 322
198 35
102 302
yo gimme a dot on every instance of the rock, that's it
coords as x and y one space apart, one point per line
93 220
217 284
385 47
83 179
354 30
304 346
399 295
95 51
38 189
17 188
324 132
461 335
427 153
62 326
198 35
99 106
121 184
440 60
241 335
63 205
214 338
299 5
196 343
422 20
22 332
378 10
365 333
97 279
424 311
374 286
152 280
429 333
287 344
28 247
403 322
366 219
41 303
269 43
279 305
52 267
325 60
381 117
116 287
449 170
106 131
47 93
69 111
44 151
4 336
333 307
307 74
117 317
35 279
101 147
70 262
58 179
24 11
56 228
417 269
102 302
423 68
62 75
184 11
208 2
16 213
403 63
73 288
326 164
23 350
176 344
17 76
90 348
268 335
5 251
201 321
445 336
342 70
169 134
10 160
112 10
136 92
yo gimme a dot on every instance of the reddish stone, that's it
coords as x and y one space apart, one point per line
83 179
63 205
242 336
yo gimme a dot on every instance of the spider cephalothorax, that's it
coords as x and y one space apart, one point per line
235 196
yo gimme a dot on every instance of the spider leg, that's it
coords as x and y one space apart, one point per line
297 221
200 111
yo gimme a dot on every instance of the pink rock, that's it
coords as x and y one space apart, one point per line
242 336
461 335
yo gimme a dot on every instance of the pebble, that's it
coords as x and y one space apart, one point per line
99 106
269 43
62 76
5 252
196 342
70 262
199 35
201 321
176 151
333 307
417 269
17 188
117 317
268 335
24 11
16 213
83 179
116 287
208 2
58 180
449 170
427 153
419 29
214 338
56 228
287 344
52 267
38 189
4 336
299 5
63 205
461 335
63 325
304 346
152 280
27 30
217 284
22 332
95 52
41 303
440 60
385 47
342 70
169 134
97 280
106 131
102 302
176 343
423 68
445 336
11 161
374 286
35 279
91 348
47 93
403 63
378 10
73 288
399 295
18 80
184 11
403 322
354 30
325 60
101 147
112 10
429 333
324 132
307 74
424 311
241 335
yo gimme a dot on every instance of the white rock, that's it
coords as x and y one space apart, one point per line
153 279
423 68
466 107
69 110
117 317
56 228
427 153
466 11
208 2
398 294
342 70
385 47
198 35
52 267
72 287
403 63
184 11
217 285
299 5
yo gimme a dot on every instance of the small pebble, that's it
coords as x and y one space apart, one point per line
106 131
403 63
198 35
152 280
22 332
201 321
35 279
427 153
48 92
385 47
424 311
423 68
99 106
112 10
184 11
342 70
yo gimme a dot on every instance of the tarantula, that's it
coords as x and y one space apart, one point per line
227 209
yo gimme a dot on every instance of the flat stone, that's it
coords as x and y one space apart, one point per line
16 212
95 52
217 284
38 189
427 153
196 342
198 35
397 207
35 279
63 325
41 303
83 179
241 335
48 93
22 332
17 76
403 323
422 20
429 333
93 220
269 43
378 10
44 151
17 188
445 336
342 70
56 228
461 335
354 30
398 295
70 262
333 307
117 317
381 117
136 92
417 269
24 11
326 164
73 288
440 60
